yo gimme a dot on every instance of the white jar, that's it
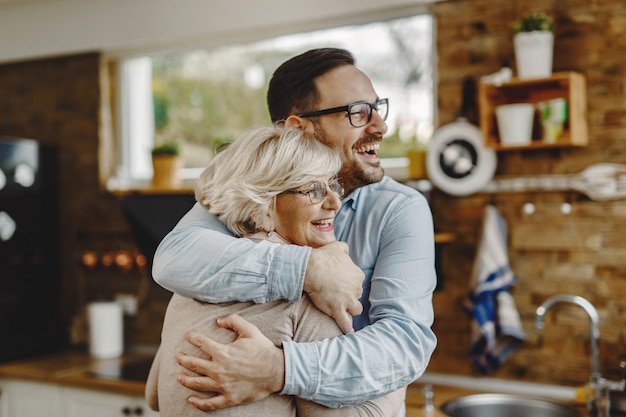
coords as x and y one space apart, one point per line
106 329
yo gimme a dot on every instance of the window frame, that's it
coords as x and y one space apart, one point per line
119 175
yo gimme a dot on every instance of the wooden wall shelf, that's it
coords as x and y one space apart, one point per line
568 85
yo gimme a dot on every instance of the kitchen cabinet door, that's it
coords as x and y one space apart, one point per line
28 399
84 403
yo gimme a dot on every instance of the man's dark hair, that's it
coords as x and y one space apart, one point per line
292 90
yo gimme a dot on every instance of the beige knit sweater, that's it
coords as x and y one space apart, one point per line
281 320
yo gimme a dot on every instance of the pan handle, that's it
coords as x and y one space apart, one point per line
468 104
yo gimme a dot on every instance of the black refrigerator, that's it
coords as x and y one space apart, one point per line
30 278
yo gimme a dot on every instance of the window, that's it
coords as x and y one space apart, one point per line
205 98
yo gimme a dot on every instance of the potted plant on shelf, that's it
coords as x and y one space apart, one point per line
533 40
165 164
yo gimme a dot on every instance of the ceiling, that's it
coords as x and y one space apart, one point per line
42 28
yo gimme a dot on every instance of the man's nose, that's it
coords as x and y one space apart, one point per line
376 125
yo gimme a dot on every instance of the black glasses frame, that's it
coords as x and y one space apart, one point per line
349 107
333 184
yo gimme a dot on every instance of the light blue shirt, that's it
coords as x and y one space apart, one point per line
389 230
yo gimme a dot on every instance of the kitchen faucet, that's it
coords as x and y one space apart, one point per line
594 321
600 386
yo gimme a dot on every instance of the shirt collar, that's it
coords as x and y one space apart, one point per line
352 199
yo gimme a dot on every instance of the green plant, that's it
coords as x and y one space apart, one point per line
221 143
536 21
166 148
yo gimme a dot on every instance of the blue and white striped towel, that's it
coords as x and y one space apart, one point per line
496 326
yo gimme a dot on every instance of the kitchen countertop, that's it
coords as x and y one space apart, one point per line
415 399
77 369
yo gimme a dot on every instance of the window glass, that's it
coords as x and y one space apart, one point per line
204 98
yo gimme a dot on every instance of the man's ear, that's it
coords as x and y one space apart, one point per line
299 123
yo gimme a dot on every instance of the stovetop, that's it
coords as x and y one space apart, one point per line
134 371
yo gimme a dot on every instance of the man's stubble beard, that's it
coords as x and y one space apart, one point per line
352 173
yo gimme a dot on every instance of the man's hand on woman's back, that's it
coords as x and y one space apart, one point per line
244 371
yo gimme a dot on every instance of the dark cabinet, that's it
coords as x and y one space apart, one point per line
30 281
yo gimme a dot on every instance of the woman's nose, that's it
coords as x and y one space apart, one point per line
332 201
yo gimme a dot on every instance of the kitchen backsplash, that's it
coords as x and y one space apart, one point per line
550 252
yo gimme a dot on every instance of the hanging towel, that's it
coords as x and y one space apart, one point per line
496 326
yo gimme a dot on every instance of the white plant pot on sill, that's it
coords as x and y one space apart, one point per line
533 53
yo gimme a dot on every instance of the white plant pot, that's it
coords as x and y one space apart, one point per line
533 53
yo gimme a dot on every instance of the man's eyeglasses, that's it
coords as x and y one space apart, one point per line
318 190
359 113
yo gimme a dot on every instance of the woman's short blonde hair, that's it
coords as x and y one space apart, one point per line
240 183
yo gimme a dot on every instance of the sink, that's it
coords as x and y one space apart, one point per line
506 405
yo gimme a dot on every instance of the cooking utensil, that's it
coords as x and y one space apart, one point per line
457 160
600 182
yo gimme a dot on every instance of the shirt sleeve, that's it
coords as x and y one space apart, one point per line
312 324
201 259
395 349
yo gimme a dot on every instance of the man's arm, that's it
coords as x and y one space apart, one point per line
382 357
395 349
201 259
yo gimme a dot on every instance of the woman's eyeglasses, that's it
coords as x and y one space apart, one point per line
318 190
359 113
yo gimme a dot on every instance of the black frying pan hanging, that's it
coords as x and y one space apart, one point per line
457 160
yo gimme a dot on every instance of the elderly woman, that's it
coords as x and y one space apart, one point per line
272 184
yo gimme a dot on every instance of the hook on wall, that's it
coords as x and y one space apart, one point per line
566 208
529 207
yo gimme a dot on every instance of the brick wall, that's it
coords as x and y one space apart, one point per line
57 102
582 253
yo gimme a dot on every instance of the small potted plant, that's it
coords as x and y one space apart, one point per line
166 148
533 40
165 164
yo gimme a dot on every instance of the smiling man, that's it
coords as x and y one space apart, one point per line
387 228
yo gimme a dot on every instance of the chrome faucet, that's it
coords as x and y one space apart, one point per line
594 320
599 395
